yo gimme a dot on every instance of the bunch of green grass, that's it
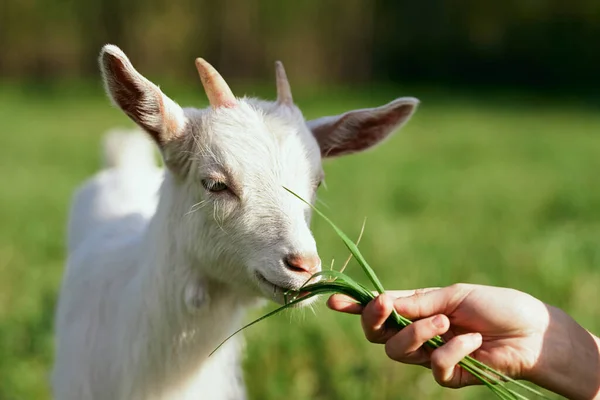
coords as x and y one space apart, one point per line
333 282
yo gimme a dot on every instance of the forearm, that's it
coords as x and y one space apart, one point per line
569 363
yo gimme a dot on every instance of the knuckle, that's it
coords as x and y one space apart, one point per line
438 361
392 351
371 336
442 381
458 292
374 310
374 335
417 295
438 374
421 332
421 291
459 287
384 307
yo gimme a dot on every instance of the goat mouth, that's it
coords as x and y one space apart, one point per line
278 292
276 288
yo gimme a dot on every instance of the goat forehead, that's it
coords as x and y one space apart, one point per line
253 143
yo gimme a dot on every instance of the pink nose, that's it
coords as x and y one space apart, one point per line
303 263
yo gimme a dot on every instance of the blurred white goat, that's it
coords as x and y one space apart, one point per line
163 264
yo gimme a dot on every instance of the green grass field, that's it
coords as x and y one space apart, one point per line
499 191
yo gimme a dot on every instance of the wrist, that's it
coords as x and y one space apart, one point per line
569 360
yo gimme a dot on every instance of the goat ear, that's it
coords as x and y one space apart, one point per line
359 130
139 98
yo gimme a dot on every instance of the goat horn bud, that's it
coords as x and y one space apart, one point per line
218 92
284 92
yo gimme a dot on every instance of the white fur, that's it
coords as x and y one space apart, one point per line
160 270
150 290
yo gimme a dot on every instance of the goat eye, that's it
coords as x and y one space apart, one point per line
214 186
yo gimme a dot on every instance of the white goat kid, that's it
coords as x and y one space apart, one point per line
163 264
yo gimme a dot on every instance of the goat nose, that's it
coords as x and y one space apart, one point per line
303 263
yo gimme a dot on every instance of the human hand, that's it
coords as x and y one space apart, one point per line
506 329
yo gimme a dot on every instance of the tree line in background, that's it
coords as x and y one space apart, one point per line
539 43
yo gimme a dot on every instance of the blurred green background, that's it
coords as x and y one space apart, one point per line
494 180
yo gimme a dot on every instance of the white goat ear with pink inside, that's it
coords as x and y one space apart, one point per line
358 130
139 98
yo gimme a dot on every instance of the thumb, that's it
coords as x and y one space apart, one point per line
426 303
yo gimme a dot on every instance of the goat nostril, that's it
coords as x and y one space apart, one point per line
298 263
292 265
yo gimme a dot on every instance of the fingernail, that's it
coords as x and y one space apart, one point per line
476 338
438 321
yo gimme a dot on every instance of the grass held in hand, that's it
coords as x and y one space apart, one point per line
331 282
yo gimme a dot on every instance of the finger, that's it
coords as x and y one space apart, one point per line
345 304
407 345
445 359
406 293
426 303
373 319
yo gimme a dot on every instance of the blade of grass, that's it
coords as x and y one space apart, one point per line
362 230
